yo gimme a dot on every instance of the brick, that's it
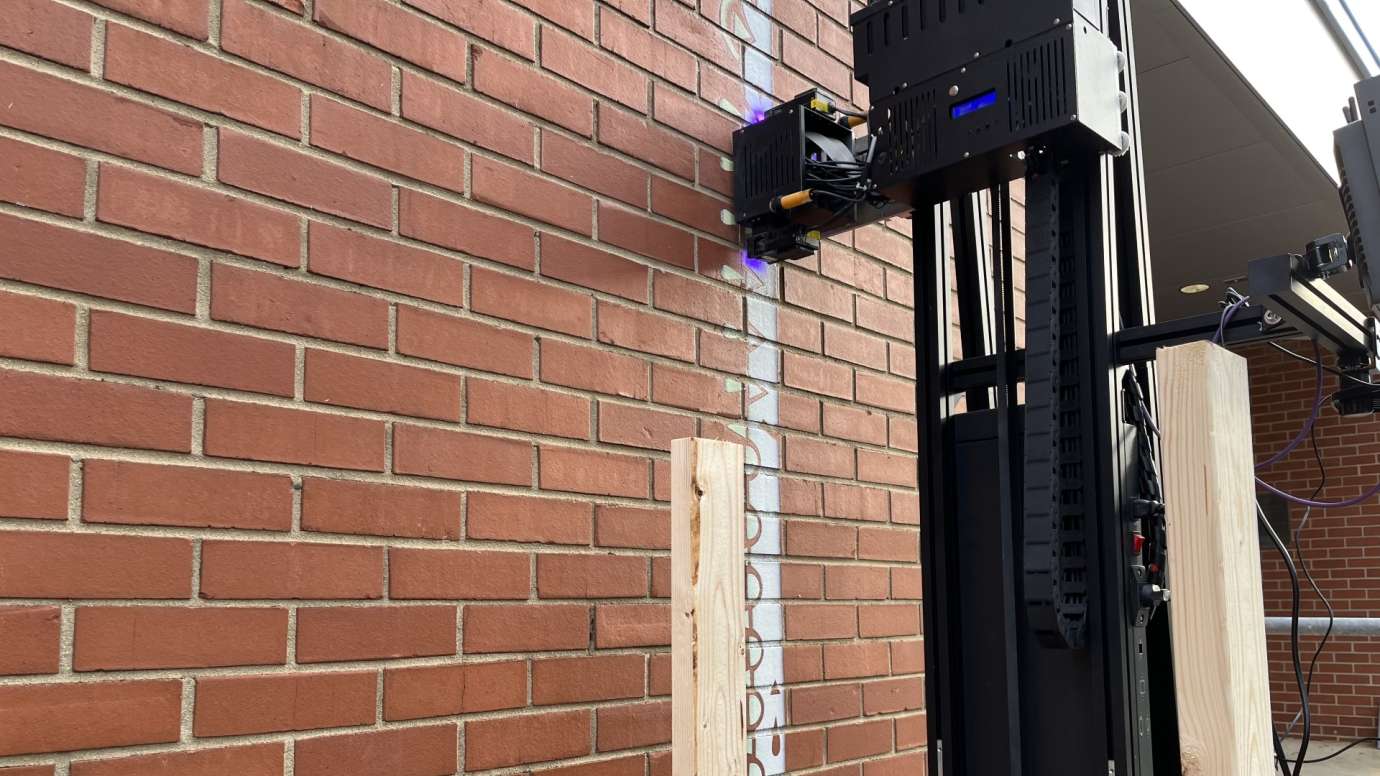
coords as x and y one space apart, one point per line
591 369
855 424
800 55
358 258
904 434
696 391
854 346
466 117
817 376
633 765
886 319
865 739
636 137
528 90
633 527
632 625
856 583
507 518
183 74
592 268
38 177
535 304
36 329
81 115
453 455
810 705
640 10
93 412
851 661
801 581
631 328
457 574
661 577
812 456
690 207
886 620
129 493
851 502
797 412
445 690
600 172
911 731
803 749
342 506
887 468
647 51
816 295
145 637
66 565
272 703
591 576
297 50
843 265
463 342
268 301
731 354
645 236
386 144
893 544
528 738
95 265
364 383
574 15
33 486
327 634
288 570
281 173
31 639
800 497
583 471
886 392
797 330
884 244
526 628
905 508
198 216
893 695
621 424
48 30
258 432
697 34
523 193
188 17
39 718
438 222
252 760
524 408
820 621
820 540
586 679
696 119
900 287
416 751
905 583
399 32
143 347
711 303
498 23
633 726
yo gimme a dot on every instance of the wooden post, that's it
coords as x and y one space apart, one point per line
708 643
1217 610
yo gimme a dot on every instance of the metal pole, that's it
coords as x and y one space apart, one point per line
1317 626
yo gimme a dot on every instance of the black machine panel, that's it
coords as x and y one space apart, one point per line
1358 158
979 122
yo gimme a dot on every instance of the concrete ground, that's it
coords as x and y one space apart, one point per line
1364 760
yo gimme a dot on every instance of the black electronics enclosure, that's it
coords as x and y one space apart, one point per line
964 94
1358 152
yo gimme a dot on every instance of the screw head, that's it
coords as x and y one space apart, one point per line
953 90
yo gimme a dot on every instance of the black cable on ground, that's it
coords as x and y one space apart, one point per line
1345 749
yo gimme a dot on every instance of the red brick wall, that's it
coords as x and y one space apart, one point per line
342 344
1342 546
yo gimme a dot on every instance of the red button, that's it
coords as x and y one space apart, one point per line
1137 543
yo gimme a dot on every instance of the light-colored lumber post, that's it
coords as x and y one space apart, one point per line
708 642
1217 612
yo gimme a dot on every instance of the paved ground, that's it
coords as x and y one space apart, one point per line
1364 760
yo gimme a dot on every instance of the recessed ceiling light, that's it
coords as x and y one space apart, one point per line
1195 288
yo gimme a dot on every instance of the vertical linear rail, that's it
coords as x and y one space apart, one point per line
1217 614
708 643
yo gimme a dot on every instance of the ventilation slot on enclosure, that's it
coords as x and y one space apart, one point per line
771 166
911 130
1037 81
